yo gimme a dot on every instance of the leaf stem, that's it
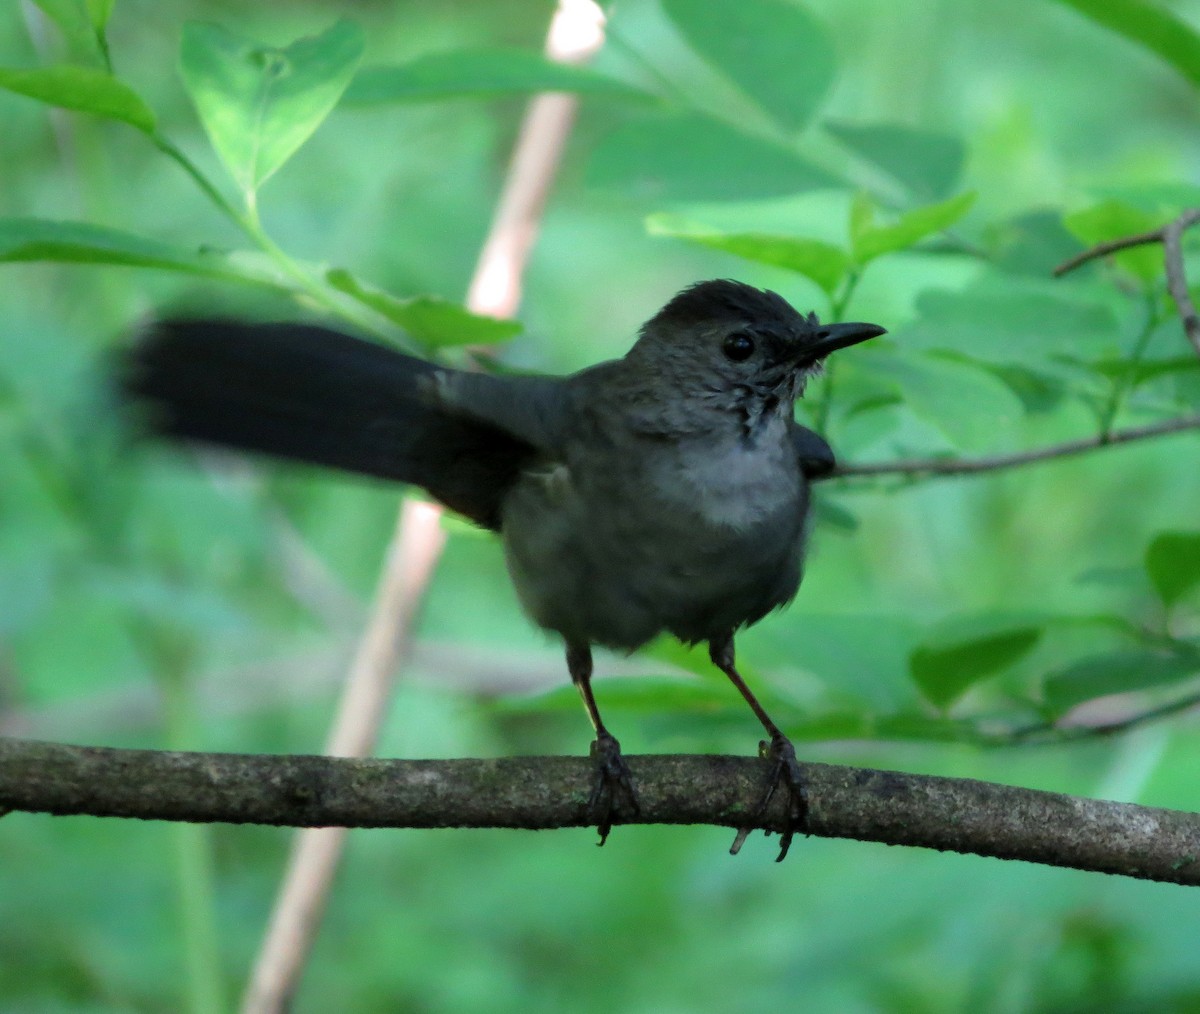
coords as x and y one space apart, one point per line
306 281
1123 383
303 280
105 53
837 311
167 147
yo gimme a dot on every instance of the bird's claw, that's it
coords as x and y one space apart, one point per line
785 771
613 786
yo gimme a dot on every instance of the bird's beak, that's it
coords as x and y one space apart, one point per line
831 337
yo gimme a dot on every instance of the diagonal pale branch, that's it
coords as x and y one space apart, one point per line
576 33
539 793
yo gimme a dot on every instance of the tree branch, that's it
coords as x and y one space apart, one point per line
1177 279
1169 236
1109 246
993 463
539 793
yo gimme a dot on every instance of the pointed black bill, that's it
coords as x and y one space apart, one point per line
831 337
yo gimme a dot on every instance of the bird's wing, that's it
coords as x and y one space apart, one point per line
311 394
532 409
813 452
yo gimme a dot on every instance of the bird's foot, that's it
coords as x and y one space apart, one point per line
785 772
613 787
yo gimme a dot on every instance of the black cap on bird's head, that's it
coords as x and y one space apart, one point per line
755 333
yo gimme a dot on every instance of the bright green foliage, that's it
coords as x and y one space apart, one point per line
434 323
258 103
100 11
921 167
1113 219
33 239
824 263
869 240
82 89
827 265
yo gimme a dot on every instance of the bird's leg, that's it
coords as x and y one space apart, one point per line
612 775
779 751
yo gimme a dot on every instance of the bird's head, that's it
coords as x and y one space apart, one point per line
737 347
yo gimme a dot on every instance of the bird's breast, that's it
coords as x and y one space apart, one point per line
620 541
735 487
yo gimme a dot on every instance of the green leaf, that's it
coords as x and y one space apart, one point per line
773 50
928 164
693 157
258 103
1150 26
862 216
1160 198
1146 370
1037 393
434 322
968 405
824 263
37 239
1032 243
1016 321
945 671
1111 220
1117 672
1173 564
82 89
912 227
476 73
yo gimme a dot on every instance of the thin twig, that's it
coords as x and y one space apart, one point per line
1072 733
1169 236
1177 279
992 463
956 814
576 35
1109 246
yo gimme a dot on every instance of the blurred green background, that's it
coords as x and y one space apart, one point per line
149 598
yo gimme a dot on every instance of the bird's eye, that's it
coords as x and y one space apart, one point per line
738 346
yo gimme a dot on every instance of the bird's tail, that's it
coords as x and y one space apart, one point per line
310 394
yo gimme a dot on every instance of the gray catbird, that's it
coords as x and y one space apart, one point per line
665 491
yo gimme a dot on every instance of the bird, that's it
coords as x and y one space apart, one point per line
665 491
